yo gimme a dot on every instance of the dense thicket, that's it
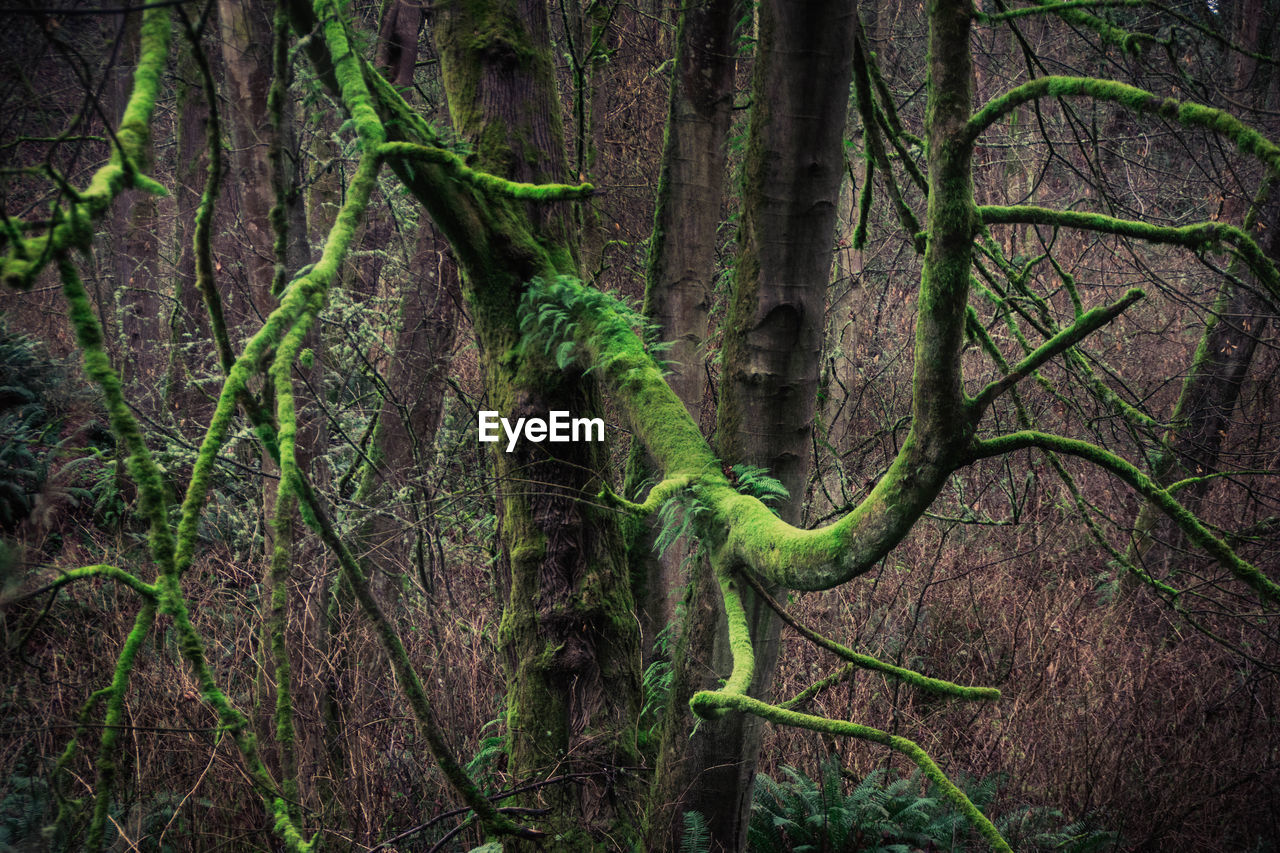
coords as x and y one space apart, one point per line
936 352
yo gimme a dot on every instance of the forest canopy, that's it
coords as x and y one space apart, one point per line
762 426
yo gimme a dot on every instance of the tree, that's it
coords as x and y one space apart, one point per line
549 342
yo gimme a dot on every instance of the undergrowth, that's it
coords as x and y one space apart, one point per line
887 813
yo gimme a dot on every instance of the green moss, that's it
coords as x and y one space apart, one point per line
114 573
859 660
1197 236
454 165
72 228
1245 138
1076 12
709 703
349 71
1266 589
746 528
113 723
1085 324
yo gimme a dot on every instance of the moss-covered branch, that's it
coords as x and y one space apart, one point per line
169 599
114 573
1197 236
202 228
658 495
454 165
1196 531
819 686
863 661
707 703
72 225
1055 8
1085 324
1245 138
742 527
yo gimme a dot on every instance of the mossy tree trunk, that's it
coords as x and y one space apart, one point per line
771 359
568 631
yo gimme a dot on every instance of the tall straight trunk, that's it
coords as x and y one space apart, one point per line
398 40
245 30
191 353
568 633
409 416
134 223
682 257
771 361
1202 414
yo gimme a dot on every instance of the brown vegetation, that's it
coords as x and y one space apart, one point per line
1161 724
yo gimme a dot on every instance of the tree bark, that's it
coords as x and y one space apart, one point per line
682 260
398 40
191 353
771 361
568 632
1202 415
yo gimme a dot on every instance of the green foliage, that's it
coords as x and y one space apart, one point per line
26 424
656 686
697 835
755 481
886 813
879 814
491 754
23 807
678 519
550 314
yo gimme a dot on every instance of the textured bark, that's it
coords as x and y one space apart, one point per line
771 357
568 632
681 271
245 29
398 40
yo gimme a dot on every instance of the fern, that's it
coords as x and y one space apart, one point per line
888 814
490 755
547 318
755 481
697 835
680 517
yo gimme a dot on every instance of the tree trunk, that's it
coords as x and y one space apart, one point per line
398 40
245 27
409 416
682 257
191 354
568 631
135 236
1202 414
771 360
